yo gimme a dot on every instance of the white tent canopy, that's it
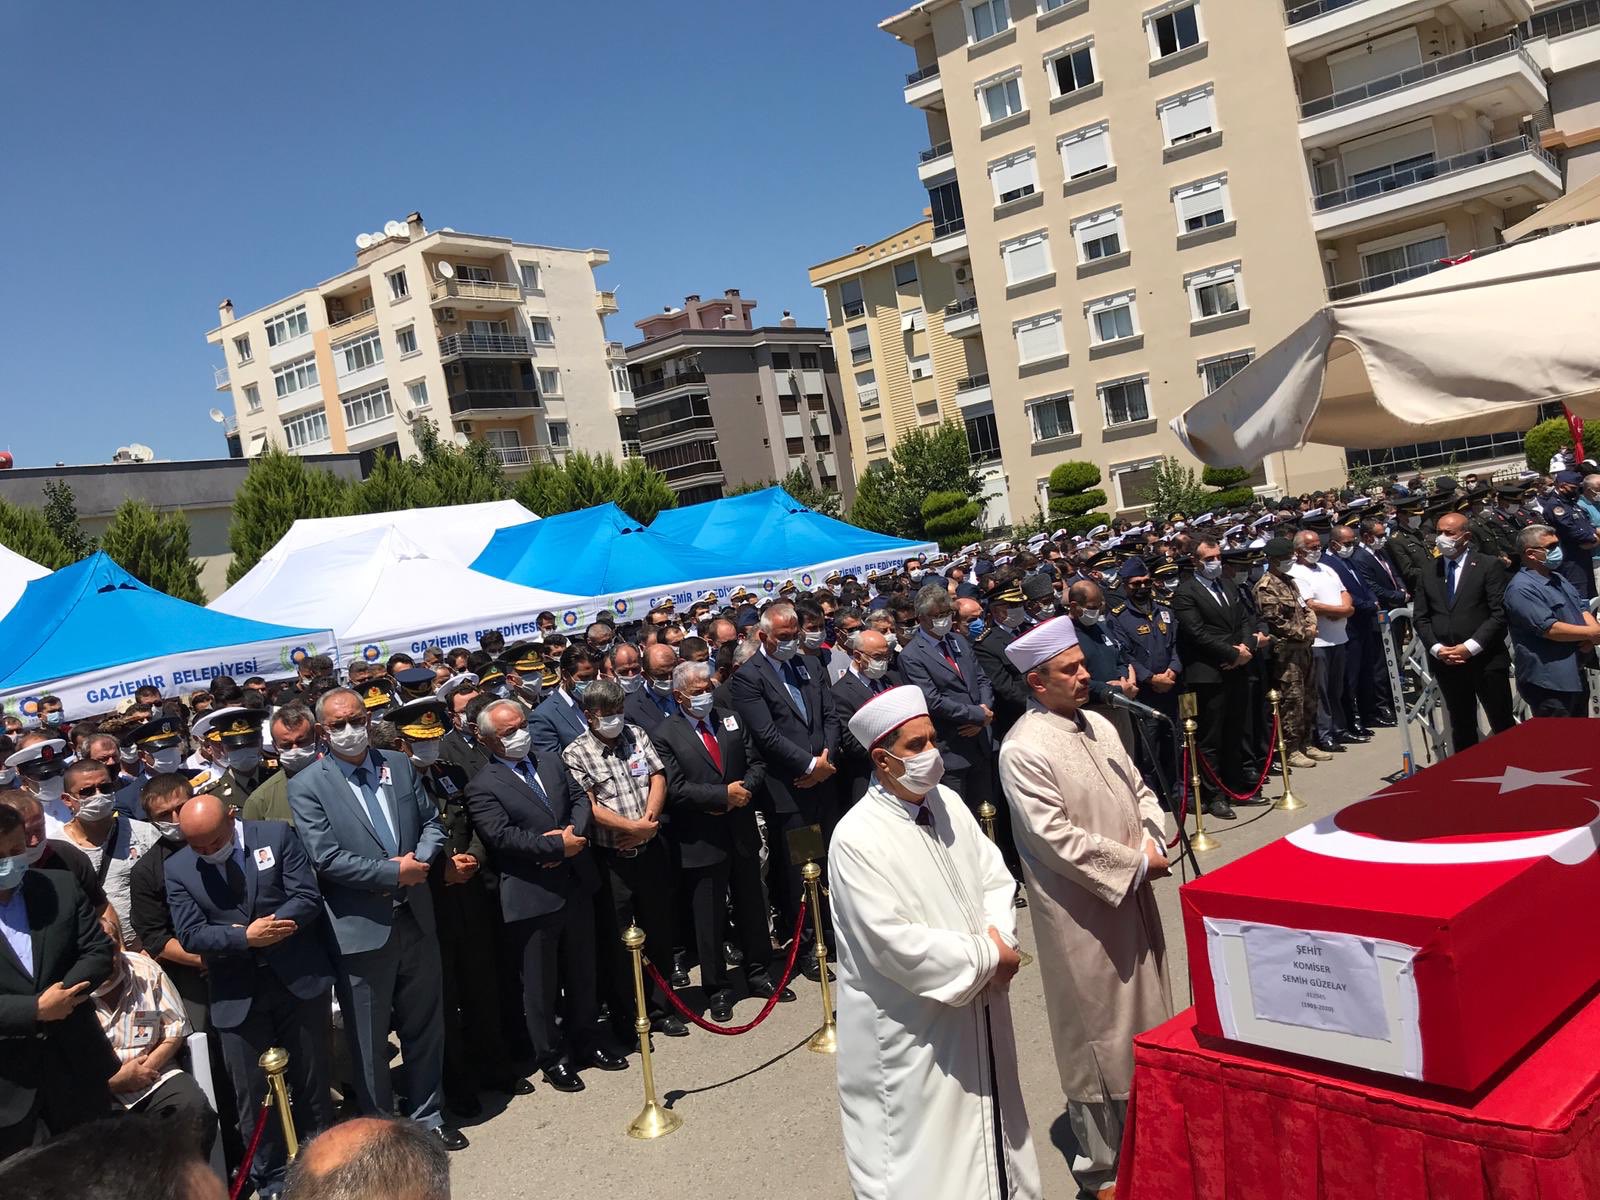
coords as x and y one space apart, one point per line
458 532
1474 349
1580 204
15 573
381 593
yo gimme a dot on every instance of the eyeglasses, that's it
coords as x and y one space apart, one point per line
98 789
349 723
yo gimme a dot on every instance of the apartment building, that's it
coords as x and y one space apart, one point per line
1146 197
907 328
499 341
722 401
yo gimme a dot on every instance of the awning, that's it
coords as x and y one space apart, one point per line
1580 204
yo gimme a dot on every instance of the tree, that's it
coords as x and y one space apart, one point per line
799 484
585 480
452 474
1232 491
951 519
1173 488
1074 497
394 483
889 496
153 547
545 490
1541 442
26 532
278 490
61 511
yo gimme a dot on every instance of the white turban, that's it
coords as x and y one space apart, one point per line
1042 643
886 712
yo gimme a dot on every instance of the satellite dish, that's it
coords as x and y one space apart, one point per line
446 229
444 270
363 241
216 415
394 229
462 439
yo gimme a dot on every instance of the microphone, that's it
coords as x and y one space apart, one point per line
1118 700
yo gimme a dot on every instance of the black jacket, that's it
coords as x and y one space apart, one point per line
536 877
1478 612
705 828
1209 633
786 740
850 692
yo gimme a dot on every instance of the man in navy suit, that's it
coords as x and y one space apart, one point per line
1366 651
372 831
959 694
559 719
869 674
535 820
244 898
783 699
653 703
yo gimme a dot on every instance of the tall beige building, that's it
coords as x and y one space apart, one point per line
1142 198
499 341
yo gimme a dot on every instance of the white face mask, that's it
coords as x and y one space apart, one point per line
786 649
97 807
1312 557
631 683
425 753
49 790
168 830
1090 616
244 759
352 739
700 706
1448 546
293 758
922 771
1212 568
894 642
166 760
609 727
516 744
940 626
811 639
1345 551
221 854
875 668
662 687
1015 618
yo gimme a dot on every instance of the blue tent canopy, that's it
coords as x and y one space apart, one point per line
93 618
598 551
770 530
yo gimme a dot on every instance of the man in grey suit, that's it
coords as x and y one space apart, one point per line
960 697
371 831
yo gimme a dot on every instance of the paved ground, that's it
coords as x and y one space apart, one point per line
760 1117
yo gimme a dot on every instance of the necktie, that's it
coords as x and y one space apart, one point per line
949 653
375 813
234 874
531 778
710 739
1222 596
791 677
1450 580
924 817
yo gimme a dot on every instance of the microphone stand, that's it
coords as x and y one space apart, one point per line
1185 849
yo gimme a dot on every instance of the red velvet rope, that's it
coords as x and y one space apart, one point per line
1272 751
772 1000
1183 797
243 1176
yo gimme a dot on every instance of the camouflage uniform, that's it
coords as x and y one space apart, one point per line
1292 627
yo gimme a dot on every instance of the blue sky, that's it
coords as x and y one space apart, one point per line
160 157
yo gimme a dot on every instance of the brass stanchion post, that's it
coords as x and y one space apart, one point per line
826 1039
1202 841
986 816
1288 801
275 1062
653 1121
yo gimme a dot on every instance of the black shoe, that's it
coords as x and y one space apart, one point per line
670 1025
1384 720
1329 745
562 1077
1020 900
732 954
603 1059
763 987
451 1139
680 969
722 1007
512 1085
469 1107
1356 736
812 970
1221 810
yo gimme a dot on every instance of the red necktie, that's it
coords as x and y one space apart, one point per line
712 748
944 648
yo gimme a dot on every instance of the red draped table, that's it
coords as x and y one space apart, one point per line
1212 1120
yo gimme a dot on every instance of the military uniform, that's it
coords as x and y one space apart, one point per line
1292 627
225 731
1148 635
270 801
1577 537
1495 531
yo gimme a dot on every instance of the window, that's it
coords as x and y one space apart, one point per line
1026 257
1039 338
1099 235
983 437
1215 292
1052 417
529 273
417 390
1217 371
985 18
1189 116
1072 69
306 429
503 439
406 339
541 331
920 365
905 273
948 217
1112 319
1202 205
489 328
912 320
850 299
286 326
860 345
874 442
295 376
365 407
808 360
867 389
1173 29
1125 401
1134 482
1001 98
549 381
1399 263
1086 151
559 435
364 352
780 360
399 289
252 397
241 348
1014 177
795 447
474 273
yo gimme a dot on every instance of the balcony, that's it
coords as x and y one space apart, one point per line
474 295
935 161
632 449
221 377
1512 172
1388 279
693 474
520 458
961 318
685 429
950 241
923 87
350 326
667 383
508 402
1498 79
1316 27
973 390
605 303
484 345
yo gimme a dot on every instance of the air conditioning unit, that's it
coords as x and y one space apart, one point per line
464 426
963 274
447 314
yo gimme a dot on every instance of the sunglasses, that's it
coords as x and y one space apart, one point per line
348 723
98 789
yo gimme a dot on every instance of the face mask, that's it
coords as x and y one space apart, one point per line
96 808
1313 557
352 739
700 706
425 754
922 771
128 756
579 688
1090 616
168 830
1212 568
940 626
221 855
53 718
786 649
661 687
1015 618
916 573
609 727
631 683
811 639
1345 551
894 642
1553 557
294 758
49 790
875 668
8 776
12 871
245 759
1448 546
1380 541
975 627
516 744
166 760
1282 565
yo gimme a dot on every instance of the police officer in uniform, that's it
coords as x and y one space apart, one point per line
1405 543
414 683
1007 619
1573 528
233 736
160 749
1145 629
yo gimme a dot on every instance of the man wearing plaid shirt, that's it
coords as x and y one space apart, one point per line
614 762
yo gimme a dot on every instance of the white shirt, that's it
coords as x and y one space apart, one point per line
1322 584
374 781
